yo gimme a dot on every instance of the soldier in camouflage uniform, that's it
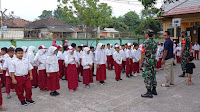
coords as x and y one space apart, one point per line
185 52
148 62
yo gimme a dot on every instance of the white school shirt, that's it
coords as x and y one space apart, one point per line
122 52
87 59
20 67
52 67
136 55
196 47
69 59
4 57
109 52
174 48
41 59
100 57
117 57
178 51
128 53
60 55
31 57
7 63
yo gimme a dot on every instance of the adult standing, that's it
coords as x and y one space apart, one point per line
196 51
148 61
185 51
168 60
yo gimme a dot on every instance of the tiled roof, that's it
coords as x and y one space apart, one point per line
182 7
47 22
15 23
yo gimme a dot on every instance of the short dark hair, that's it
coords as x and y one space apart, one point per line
136 44
123 45
80 47
4 49
108 43
190 58
150 34
65 48
11 49
116 43
18 50
91 47
73 45
168 33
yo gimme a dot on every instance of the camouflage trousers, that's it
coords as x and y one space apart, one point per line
149 75
184 61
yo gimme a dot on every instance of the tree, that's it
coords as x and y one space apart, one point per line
88 12
149 23
46 14
150 12
118 25
150 3
131 19
58 15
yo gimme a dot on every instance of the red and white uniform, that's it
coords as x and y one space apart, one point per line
122 52
42 75
21 67
128 63
60 62
117 56
9 84
87 71
72 76
178 52
100 58
196 51
52 67
3 76
136 56
109 54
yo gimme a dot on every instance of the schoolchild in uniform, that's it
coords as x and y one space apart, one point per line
178 52
72 76
8 61
41 60
52 69
87 63
128 61
117 56
93 55
31 57
100 58
21 72
3 57
60 61
109 56
122 52
136 54
1 99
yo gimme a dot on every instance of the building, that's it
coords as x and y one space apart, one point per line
189 12
50 28
13 28
108 33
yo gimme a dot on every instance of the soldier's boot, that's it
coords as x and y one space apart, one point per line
148 94
154 92
183 75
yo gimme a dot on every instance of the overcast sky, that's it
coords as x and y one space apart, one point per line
31 9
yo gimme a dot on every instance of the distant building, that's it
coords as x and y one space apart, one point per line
14 30
50 28
189 12
108 33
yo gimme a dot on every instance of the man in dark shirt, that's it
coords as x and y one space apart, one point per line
168 60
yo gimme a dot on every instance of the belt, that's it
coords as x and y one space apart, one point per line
23 76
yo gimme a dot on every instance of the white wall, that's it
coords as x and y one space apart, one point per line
13 33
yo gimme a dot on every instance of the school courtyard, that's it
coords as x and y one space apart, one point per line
123 96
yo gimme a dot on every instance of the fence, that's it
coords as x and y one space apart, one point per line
48 42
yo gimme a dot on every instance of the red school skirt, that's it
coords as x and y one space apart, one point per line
53 82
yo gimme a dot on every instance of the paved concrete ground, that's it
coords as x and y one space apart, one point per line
123 96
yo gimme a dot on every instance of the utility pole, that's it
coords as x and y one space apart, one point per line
1 20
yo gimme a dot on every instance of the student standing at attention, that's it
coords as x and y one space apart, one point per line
21 72
52 69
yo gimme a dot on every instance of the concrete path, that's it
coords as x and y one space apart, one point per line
123 96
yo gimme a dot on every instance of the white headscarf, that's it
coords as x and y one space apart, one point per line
24 48
51 57
31 49
100 53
